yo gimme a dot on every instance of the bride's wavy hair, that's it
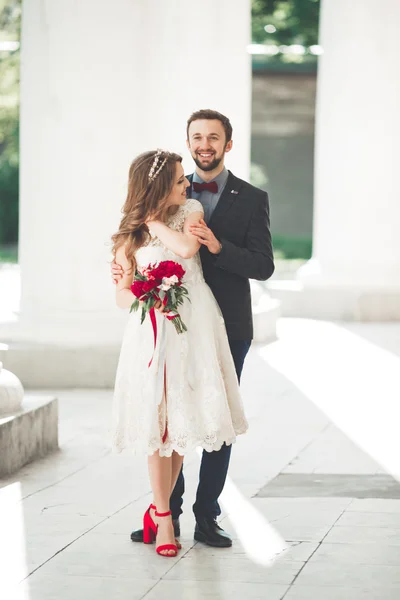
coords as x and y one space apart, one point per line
151 179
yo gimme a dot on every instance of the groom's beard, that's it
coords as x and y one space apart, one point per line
208 166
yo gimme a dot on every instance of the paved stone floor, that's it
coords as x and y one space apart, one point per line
322 400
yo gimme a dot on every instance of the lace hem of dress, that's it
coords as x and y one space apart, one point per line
171 445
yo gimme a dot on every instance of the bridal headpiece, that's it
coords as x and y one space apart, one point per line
158 164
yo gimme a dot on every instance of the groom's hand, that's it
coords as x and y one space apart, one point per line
116 272
206 237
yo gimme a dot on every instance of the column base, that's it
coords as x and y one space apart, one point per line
49 366
266 312
75 351
83 352
42 365
336 303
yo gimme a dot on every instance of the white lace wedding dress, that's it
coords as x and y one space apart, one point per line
200 404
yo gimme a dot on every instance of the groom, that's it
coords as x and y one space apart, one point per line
236 247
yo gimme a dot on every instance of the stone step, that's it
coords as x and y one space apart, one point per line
28 434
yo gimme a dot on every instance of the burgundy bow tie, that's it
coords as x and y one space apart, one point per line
212 187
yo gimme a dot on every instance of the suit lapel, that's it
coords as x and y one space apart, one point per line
228 197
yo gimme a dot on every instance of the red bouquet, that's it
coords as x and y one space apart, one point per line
160 282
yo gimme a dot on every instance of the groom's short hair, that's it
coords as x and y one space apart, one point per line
212 115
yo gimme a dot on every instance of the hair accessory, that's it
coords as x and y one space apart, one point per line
156 167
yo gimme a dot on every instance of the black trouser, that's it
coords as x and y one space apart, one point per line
214 465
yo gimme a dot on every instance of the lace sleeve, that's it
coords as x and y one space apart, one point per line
184 211
192 206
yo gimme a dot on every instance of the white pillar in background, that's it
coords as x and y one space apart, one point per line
101 82
357 200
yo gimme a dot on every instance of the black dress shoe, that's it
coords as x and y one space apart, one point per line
137 535
209 532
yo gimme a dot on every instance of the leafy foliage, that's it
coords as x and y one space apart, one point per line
289 247
296 21
10 23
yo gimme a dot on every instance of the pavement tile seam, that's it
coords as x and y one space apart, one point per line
58 552
150 590
297 574
46 487
313 553
75 540
306 446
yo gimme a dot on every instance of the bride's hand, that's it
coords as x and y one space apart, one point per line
159 306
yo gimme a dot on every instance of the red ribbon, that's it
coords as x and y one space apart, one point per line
170 316
154 323
164 437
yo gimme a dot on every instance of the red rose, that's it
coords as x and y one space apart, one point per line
149 286
140 288
137 288
179 271
168 268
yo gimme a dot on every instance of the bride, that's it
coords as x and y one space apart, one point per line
189 394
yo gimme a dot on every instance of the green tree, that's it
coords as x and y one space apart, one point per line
10 22
295 21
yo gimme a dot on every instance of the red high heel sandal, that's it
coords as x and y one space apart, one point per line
150 532
150 528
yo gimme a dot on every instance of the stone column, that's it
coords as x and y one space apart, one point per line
355 269
100 83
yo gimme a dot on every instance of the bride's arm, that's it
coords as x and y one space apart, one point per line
183 244
123 295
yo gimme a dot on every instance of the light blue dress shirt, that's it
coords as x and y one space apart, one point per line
209 200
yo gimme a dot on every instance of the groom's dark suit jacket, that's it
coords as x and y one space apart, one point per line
241 222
